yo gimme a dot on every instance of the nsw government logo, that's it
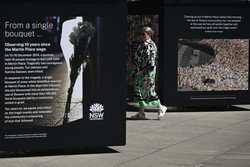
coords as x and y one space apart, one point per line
97 112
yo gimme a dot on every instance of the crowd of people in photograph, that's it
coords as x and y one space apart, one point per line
228 71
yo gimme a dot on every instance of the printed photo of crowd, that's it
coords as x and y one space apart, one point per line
213 64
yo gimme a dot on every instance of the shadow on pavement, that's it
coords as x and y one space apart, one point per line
132 108
207 109
58 152
146 119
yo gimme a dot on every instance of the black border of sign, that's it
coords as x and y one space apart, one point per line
85 133
171 96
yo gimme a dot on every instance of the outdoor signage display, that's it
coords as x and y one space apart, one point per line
206 52
62 74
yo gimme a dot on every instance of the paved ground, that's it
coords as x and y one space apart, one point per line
191 138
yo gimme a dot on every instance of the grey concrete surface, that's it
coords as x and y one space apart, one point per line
180 139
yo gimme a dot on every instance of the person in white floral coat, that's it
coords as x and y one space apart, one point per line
145 75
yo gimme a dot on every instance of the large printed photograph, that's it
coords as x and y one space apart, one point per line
77 34
59 64
213 64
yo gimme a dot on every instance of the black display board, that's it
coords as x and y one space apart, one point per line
62 72
206 53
